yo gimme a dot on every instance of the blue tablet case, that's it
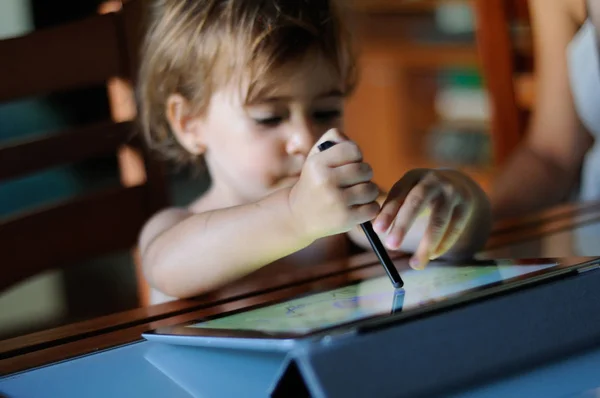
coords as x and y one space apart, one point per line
453 350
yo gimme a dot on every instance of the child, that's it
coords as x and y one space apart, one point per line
251 88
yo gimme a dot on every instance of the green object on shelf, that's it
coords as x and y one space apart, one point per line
464 78
454 18
459 145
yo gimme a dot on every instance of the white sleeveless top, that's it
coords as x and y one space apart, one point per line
583 56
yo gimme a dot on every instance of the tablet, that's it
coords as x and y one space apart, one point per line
368 303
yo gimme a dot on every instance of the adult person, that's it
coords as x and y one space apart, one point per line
560 155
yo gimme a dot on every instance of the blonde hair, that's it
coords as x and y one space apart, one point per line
192 47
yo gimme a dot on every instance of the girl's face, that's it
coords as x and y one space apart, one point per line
254 149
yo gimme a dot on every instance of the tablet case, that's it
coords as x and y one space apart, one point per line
436 355
453 350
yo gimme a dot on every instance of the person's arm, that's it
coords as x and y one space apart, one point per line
541 171
186 254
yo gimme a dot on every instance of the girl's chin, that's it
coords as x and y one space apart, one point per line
287 182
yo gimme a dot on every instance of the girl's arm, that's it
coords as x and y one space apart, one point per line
186 254
432 213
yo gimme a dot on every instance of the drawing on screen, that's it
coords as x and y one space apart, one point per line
368 298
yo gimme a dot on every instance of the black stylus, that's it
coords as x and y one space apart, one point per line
376 244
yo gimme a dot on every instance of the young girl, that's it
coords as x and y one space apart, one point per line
251 88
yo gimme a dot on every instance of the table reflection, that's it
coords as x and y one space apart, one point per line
580 241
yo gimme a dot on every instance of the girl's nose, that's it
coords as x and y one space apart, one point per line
302 138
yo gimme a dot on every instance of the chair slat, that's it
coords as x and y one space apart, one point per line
73 55
97 50
21 158
132 16
496 52
59 236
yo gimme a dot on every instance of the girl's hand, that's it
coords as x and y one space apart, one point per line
456 205
335 192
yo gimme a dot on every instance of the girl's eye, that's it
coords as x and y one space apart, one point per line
326 116
270 121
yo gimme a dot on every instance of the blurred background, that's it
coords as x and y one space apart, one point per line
423 101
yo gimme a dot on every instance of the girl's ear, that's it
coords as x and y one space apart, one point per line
186 128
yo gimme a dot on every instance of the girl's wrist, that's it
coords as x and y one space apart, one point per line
290 218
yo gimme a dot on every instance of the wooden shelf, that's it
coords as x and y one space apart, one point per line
403 37
376 6
423 55
393 109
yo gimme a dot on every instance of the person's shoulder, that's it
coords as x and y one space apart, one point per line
171 216
161 222
577 10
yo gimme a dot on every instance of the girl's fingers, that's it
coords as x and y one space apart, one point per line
361 194
352 174
417 200
394 200
460 218
441 215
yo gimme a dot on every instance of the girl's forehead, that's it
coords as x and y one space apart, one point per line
311 78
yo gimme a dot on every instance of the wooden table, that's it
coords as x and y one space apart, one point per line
523 237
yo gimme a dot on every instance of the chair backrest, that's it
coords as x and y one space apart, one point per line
74 55
504 44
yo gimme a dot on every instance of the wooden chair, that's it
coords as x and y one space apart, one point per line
504 43
121 95
80 54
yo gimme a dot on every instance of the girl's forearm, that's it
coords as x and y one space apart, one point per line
208 250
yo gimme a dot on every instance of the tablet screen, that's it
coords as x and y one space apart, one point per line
372 297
